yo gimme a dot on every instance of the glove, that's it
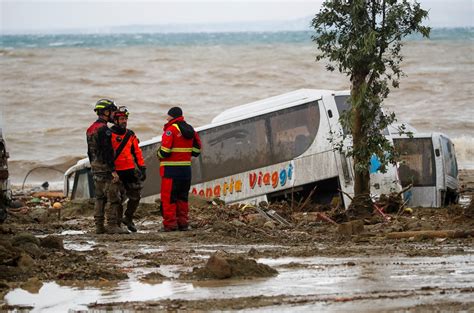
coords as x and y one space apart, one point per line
142 173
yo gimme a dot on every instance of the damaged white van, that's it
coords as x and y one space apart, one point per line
269 150
428 163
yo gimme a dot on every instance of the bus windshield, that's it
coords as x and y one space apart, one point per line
417 164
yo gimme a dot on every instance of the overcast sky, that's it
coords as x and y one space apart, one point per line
37 15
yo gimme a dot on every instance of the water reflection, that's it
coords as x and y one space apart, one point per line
86 245
321 276
54 298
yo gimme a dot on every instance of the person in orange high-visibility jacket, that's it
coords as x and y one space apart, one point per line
178 144
129 165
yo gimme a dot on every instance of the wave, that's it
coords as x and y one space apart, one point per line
195 39
464 146
131 72
41 170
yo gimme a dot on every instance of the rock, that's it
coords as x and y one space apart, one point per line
153 277
26 262
222 226
219 267
237 223
306 216
217 201
17 204
52 242
8 255
33 285
269 224
246 268
4 286
252 252
256 218
350 228
40 214
30 248
24 238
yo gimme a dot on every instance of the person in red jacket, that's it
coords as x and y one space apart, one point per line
129 165
179 143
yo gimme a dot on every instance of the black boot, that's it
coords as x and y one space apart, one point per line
130 225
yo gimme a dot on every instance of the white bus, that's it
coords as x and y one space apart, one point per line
267 150
428 163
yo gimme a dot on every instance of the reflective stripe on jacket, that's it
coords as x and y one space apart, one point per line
178 144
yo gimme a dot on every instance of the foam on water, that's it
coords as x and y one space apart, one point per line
464 146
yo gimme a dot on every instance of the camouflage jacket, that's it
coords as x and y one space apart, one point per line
99 148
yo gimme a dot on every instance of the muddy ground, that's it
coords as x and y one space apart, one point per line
234 245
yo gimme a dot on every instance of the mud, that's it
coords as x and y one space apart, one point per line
235 259
221 266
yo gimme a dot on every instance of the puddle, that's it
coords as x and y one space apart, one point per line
234 248
146 227
170 271
205 250
72 232
54 298
86 245
144 231
64 233
315 277
145 249
148 223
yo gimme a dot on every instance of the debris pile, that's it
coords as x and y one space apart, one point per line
222 266
24 256
39 206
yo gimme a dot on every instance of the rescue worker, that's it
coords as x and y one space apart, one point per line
129 165
101 158
178 144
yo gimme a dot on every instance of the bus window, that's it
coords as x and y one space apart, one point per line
450 164
293 130
245 145
234 148
342 104
417 164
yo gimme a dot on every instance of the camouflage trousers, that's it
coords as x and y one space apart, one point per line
107 201
132 192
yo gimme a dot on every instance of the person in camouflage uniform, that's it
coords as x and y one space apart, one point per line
101 158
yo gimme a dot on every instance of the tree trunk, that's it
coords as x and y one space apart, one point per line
361 206
359 137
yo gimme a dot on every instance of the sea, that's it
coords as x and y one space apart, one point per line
49 84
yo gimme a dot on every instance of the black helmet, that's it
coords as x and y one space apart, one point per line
105 104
